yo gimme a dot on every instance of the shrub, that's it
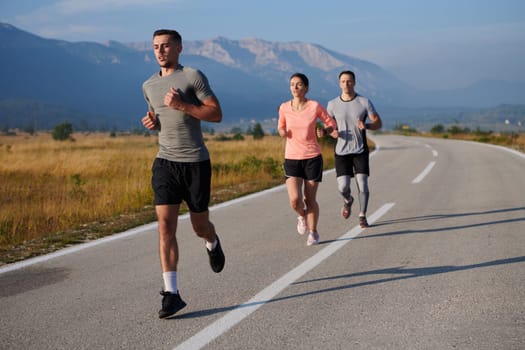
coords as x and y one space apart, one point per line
238 137
437 129
62 131
257 132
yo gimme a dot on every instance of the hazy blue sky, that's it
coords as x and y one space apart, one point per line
430 44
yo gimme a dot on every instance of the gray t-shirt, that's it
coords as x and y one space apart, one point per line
180 135
351 139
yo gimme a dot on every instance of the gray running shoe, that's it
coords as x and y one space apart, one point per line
347 208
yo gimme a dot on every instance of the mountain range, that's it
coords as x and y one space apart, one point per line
99 85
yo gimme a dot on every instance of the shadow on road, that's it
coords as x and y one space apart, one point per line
400 273
443 216
416 272
446 216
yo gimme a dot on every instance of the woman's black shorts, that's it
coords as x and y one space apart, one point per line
308 169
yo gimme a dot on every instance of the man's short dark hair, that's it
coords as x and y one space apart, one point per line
174 35
349 72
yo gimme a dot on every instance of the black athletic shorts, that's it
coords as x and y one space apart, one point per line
174 182
308 169
351 164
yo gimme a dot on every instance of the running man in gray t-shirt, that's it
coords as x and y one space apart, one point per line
178 99
350 111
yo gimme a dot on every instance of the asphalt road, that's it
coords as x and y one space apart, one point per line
442 267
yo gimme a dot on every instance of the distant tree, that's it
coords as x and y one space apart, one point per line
480 132
238 137
62 131
437 129
257 132
455 129
222 137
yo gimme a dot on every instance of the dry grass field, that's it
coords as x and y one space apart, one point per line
58 193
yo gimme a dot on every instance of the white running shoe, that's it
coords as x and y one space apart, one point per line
313 238
301 225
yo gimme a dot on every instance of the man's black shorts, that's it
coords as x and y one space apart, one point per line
173 182
351 164
308 169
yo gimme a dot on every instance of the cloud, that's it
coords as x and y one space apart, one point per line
50 10
76 20
90 6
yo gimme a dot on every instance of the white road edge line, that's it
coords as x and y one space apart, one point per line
424 173
223 324
507 149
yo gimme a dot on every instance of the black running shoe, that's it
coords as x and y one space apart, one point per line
216 257
171 303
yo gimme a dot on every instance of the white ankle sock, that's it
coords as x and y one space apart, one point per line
211 246
170 281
